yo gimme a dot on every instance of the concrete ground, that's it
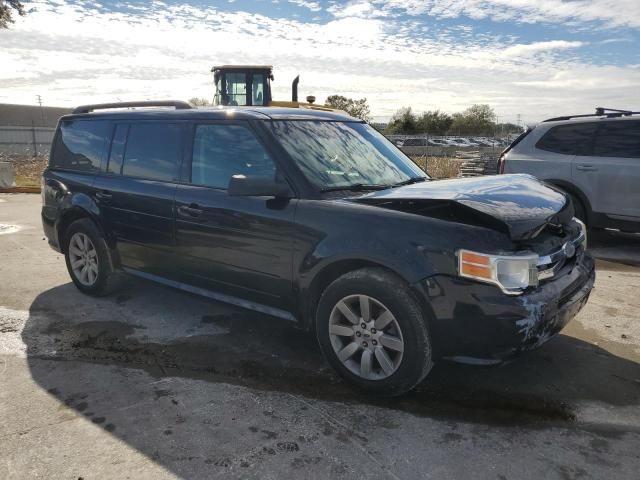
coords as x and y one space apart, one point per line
155 383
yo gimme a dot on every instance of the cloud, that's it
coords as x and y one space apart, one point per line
75 53
523 50
358 8
616 40
608 13
313 6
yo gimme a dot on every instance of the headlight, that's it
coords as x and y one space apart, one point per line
512 273
583 232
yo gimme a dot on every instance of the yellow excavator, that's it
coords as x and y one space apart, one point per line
243 85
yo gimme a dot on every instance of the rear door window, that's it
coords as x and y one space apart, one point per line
618 139
572 139
153 151
223 150
81 145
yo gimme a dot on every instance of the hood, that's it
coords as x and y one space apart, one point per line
519 205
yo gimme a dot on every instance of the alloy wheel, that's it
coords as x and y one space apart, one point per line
366 337
83 258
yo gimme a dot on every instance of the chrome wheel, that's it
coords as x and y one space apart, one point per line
366 337
83 259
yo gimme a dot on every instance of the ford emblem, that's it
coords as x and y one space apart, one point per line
569 249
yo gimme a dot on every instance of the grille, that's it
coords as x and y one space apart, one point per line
551 265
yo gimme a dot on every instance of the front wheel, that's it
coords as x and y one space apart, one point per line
373 332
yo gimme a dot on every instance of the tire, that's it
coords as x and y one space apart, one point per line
86 247
402 333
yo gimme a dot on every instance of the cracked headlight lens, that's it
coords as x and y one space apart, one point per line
512 273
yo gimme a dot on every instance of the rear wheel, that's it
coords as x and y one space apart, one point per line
373 332
87 258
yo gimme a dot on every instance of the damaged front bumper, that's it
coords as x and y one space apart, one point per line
476 323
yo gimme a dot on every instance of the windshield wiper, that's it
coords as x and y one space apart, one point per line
355 187
410 181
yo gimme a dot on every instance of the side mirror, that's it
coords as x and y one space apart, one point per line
243 186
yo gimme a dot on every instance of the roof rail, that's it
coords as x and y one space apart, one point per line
600 112
177 104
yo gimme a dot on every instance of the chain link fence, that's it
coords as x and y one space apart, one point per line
23 155
448 156
26 141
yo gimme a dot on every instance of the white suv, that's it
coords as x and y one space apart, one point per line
594 158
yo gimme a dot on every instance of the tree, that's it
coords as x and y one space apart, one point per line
355 108
199 102
434 122
476 119
6 12
403 121
507 128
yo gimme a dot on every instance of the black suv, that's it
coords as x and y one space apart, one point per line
316 218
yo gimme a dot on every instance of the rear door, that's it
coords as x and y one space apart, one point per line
239 246
136 193
613 171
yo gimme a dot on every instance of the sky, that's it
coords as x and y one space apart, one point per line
528 59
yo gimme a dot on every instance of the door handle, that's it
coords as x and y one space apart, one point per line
191 211
586 168
104 195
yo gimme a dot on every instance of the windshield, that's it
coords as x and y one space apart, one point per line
336 154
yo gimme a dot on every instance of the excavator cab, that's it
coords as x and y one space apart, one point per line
240 85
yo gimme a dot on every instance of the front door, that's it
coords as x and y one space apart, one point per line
238 246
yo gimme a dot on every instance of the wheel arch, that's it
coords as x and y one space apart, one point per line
573 190
77 210
330 272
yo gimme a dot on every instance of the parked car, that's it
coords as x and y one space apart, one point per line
486 142
454 142
594 158
316 218
414 142
466 142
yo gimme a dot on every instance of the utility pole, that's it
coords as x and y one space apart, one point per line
39 98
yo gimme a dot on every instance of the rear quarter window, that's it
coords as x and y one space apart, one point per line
618 139
80 145
572 139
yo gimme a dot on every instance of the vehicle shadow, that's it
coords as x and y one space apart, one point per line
104 347
615 246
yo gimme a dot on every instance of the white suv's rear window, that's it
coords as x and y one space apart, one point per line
572 139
